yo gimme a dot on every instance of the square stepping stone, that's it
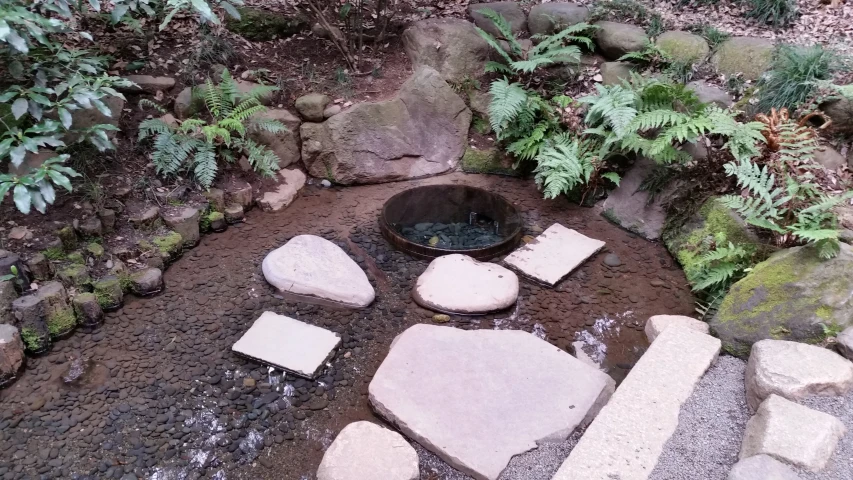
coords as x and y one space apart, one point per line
554 254
288 344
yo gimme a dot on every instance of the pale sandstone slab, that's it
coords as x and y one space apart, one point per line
761 467
288 344
794 370
628 436
458 283
553 254
656 324
314 268
792 433
452 391
291 182
366 451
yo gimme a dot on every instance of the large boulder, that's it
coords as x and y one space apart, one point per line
792 295
683 46
840 110
315 269
366 451
459 284
750 56
613 73
616 39
632 208
284 144
447 389
449 45
547 18
422 131
511 11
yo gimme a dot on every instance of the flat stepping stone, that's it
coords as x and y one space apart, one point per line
451 390
288 344
762 467
656 324
794 371
459 284
553 254
792 433
366 451
315 270
628 436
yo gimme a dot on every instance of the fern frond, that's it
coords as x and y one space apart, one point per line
204 166
508 100
495 67
527 66
151 127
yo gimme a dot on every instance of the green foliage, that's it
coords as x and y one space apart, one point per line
196 145
779 13
465 85
790 204
651 55
650 117
54 253
710 33
618 10
568 163
521 119
551 49
32 340
679 71
656 26
722 265
795 74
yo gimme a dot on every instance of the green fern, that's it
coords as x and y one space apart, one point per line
195 144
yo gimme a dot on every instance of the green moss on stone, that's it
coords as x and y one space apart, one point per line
108 292
32 340
168 244
68 238
76 258
74 275
54 253
261 26
215 216
95 249
825 312
61 322
486 161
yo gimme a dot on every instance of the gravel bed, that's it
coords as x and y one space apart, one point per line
710 427
840 466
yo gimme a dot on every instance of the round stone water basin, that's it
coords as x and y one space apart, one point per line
431 221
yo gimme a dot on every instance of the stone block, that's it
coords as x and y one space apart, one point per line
656 324
553 254
366 451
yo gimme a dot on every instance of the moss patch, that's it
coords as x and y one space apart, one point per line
74 275
54 253
61 322
32 340
108 292
168 245
261 26
487 161
95 249
76 258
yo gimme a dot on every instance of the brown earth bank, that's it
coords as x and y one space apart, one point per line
164 397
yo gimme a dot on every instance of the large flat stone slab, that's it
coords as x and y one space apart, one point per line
792 433
459 284
366 451
288 344
314 269
761 467
657 323
553 254
794 370
626 439
456 393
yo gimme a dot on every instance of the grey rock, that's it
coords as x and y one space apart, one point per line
9 260
89 312
233 214
458 283
612 260
146 282
511 11
30 317
239 192
683 46
840 110
89 227
554 254
711 94
331 111
11 353
451 46
40 269
311 106
845 343
794 371
829 158
749 56
762 467
655 325
108 219
185 221
631 208
7 296
149 84
617 39
145 217
422 131
547 18
290 183
612 73
789 296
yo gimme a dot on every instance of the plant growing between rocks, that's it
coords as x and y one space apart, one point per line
195 145
779 13
795 75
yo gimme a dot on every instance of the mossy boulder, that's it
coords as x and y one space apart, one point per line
261 25
108 292
683 46
61 322
747 55
95 249
793 295
488 160
75 275
168 246
688 242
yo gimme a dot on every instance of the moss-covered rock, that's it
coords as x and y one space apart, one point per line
34 341
747 55
793 295
261 26
109 292
74 275
76 257
488 160
683 46
61 322
68 237
168 246
95 249
688 242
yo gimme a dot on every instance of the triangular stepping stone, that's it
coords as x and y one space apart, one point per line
315 270
554 254
478 398
459 284
288 344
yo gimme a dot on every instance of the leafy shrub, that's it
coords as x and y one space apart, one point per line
779 13
723 264
568 163
618 10
521 118
651 55
556 48
195 145
794 75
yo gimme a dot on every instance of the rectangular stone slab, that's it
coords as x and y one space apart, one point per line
288 344
554 254
627 437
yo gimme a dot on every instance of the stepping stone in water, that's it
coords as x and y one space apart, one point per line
315 270
459 284
794 370
554 254
288 344
762 467
478 398
792 433
366 451
656 324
